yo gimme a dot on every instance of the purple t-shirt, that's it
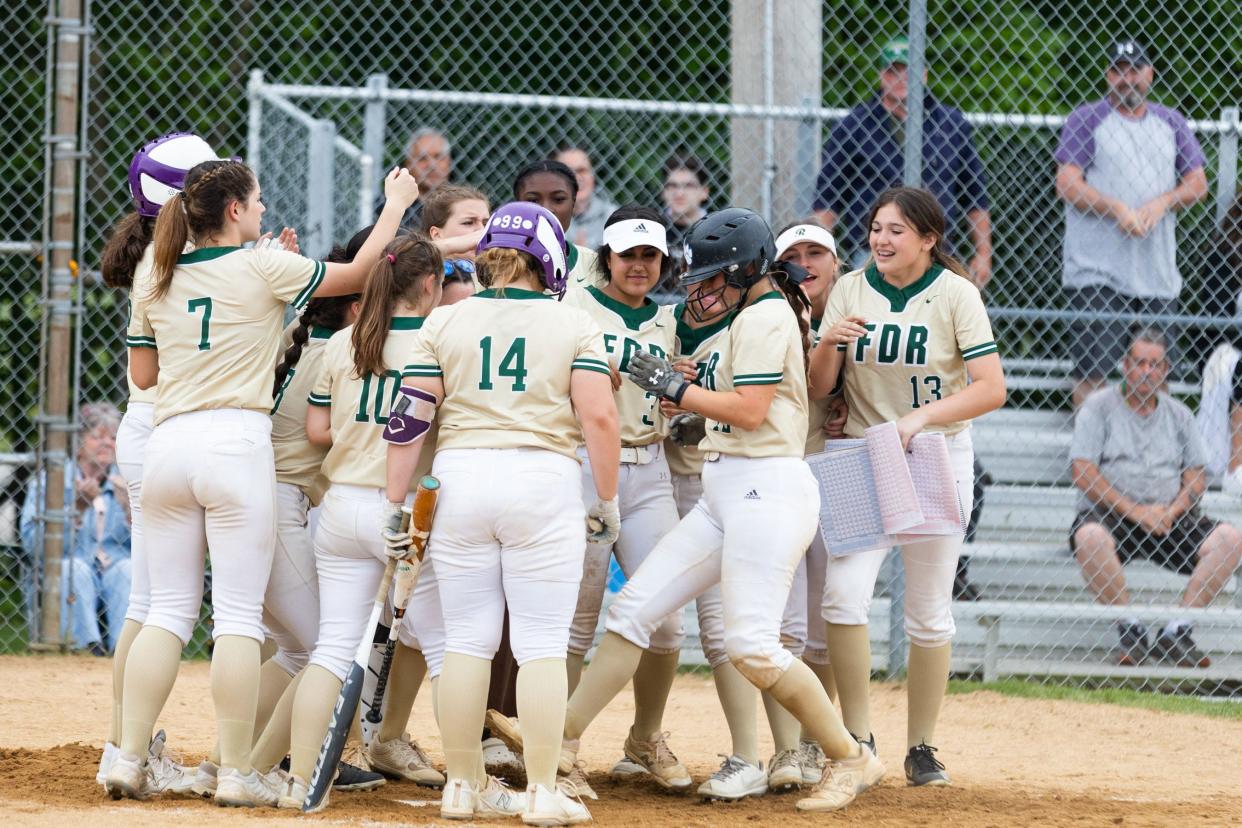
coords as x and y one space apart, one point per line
1134 160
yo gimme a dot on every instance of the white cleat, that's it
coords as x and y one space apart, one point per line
204 783
545 807
813 760
626 768
235 789
785 770
127 778
461 801
842 781
500 761
105 762
166 775
736 779
575 784
402 758
293 794
655 757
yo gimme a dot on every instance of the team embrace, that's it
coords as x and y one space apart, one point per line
557 417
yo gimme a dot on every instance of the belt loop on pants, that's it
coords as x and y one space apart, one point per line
711 456
636 455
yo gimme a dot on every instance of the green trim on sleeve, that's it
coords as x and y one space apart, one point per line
321 400
770 378
587 364
422 371
978 351
317 273
140 342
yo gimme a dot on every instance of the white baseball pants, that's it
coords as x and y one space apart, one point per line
131 447
747 533
291 605
350 560
648 513
510 528
849 580
709 605
209 482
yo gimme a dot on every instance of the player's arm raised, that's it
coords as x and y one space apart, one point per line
343 278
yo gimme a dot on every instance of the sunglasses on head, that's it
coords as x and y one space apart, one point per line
460 268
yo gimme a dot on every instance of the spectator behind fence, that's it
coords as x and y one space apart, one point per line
865 154
96 571
1139 460
1222 278
593 206
1125 165
684 192
429 158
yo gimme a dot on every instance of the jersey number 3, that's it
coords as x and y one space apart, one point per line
512 365
204 327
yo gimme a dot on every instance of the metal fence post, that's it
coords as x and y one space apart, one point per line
375 128
320 188
807 164
914 101
1227 162
254 138
896 614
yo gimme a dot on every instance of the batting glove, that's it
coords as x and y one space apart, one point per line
656 375
687 429
1232 484
603 522
396 541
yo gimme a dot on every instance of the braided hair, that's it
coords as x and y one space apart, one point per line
787 277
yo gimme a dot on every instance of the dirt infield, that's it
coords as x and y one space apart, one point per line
1014 762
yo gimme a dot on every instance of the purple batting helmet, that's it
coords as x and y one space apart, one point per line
158 170
525 226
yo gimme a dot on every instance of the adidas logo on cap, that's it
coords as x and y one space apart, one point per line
640 228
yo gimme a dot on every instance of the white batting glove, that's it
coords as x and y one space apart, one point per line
603 522
396 541
1232 484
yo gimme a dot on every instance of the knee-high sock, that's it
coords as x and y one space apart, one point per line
463 699
273 682
150 671
925 685
786 729
653 680
826 677
312 712
235 691
273 741
573 669
129 631
540 687
799 691
408 670
849 648
614 665
737 699
435 700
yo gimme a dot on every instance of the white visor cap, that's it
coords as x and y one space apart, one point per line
623 235
800 233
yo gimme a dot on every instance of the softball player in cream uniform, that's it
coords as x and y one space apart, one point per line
634 256
908 332
759 505
156 173
215 315
514 372
349 408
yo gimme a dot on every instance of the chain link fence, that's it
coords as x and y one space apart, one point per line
795 108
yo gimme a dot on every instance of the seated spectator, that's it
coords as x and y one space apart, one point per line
96 571
685 193
593 206
429 158
1139 460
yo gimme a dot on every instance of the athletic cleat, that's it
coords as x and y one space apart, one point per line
842 781
658 760
105 762
1179 650
350 777
461 801
545 807
1134 649
569 756
575 783
506 729
402 758
500 761
293 794
869 742
813 760
785 770
127 778
626 769
736 779
235 789
204 783
923 768
163 774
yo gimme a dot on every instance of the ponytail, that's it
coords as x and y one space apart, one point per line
124 250
942 257
172 233
499 267
327 312
788 281
400 273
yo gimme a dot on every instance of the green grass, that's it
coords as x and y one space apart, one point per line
1124 698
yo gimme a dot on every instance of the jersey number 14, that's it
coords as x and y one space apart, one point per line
512 365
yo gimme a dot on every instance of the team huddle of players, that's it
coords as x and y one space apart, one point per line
569 419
